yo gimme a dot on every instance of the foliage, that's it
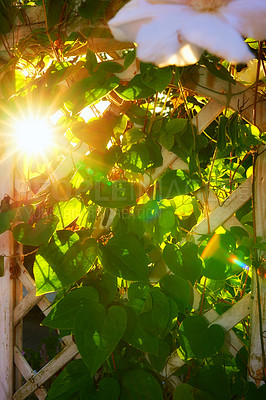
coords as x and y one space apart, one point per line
116 250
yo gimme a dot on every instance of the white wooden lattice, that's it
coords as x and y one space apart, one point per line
13 307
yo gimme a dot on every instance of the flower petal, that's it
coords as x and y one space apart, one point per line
130 18
247 17
127 22
158 43
214 34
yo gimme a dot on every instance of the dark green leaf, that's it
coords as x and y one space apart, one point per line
178 290
135 89
125 257
199 339
63 314
35 236
155 313
176 183
97 332
183 261
108 389
157 78
188 392
134 333
140 385
118 194
74 377
213 380
158 362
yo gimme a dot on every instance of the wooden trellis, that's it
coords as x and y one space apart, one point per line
14 307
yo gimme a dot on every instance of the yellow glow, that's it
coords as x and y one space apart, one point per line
33 135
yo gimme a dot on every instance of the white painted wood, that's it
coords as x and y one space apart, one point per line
25 305
234 315
67 354
201 81
25 278
221 214
257 361
210 201
27 372
7 289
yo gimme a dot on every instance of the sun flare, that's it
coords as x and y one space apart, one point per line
33 136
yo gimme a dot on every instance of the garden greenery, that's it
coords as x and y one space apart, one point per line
118 251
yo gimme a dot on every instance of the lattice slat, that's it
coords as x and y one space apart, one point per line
37 380
257 362
27 372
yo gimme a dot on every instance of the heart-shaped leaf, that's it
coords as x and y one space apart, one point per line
97 332
37 235
183 261
197 339
139 384
125 257
63 314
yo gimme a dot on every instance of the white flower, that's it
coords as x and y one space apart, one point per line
177 31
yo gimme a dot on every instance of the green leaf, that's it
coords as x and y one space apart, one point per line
89 90
118 194
106 286
216 269
178 290
157 78
133 135
183 261
199 339
213 380
176 183
138 290
136 159
188 392
63 314
97 332
138 384
158 362
134 333
155 313
125 257
108 389
217 69
67 212
110 66
6 218
74 377
65 260
129 58
91 61
35 236
135 89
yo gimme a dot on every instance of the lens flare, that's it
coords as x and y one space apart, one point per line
234 260
33 135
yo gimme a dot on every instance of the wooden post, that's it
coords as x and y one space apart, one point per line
7 289
257 349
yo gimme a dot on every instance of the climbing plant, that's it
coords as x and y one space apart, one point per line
119 252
